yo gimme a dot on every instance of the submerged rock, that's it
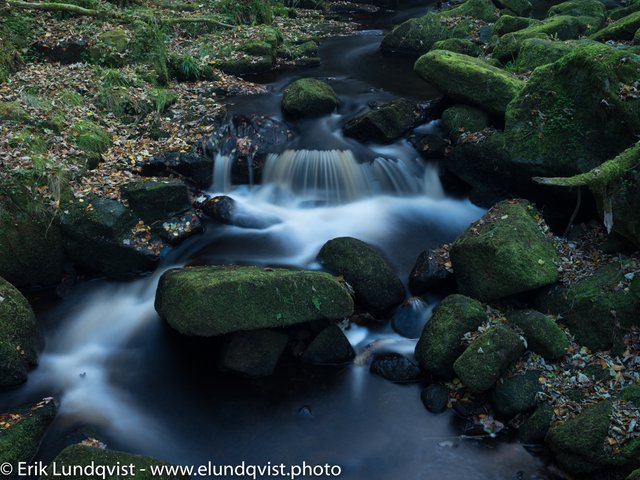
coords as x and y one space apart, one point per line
309 97
330 347
516 394
396 367
385 123
542 333
153 200
435 398
208 301
253 353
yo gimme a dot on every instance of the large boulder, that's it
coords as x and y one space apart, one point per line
509 24
574 103
505 252
309 97
599 308
535 52
376 284
622 29
254 353
535 428
384 123
516 394
542 333
208 301
441 341
591 11
153 200
519 7
488 357
19 337
329 347
469 80
461 119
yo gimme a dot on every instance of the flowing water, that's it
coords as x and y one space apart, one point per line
120 374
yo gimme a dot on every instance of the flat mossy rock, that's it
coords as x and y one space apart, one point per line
597 309
519 7
488 357
542 333
156 199
509 24
376 285
623 29
535 428
535 52
19 337
80 456
247 65
505 252
592 11
20 441
441 341
208 301
330 347
384 123
309 97
461 119
469 80
459 45
574 103
516 394
254 353
635 475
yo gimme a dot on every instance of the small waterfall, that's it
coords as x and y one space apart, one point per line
222 173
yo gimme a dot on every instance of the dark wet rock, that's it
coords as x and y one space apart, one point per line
254 353
435 398
597 309
247 65
509 24
305 412
396 367
176 229
409 318
19 337
516 394
488 357
461 119
20 441
221 207
71 50
468 409
505 252
385 123
376 285
441 341
469 80
542 333
534 429
519 7
85 456
208 301
226 210
330 347
429 275
153 200
429 145
309 97
194 165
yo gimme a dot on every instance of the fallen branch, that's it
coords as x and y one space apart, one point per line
58 7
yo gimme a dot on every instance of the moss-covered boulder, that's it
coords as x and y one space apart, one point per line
535 428
542 333
329 347
254 353
309 97
505 252
620 12
516 394
535 52
376 285
461 119
469 80
597 309
519 7
83 456
635 475
246 64
441 341
22 431
111 48
488 357
156 199
574 103
384 123
591 11
623 29
509 24
208 301
459 45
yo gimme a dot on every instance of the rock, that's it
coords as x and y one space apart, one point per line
410 318
543 334
309 97
19 337
488 357
396 368
110 48
253 353
624 197
429 274
435 398
384 123
505 252
330 347
521 8
461 119
441 341
376 285
509 24
584 112
247 65
469 80
85 456
535 52
176 229
516 394
66 51
156 200
635 475
623 29
534 429
20 441
429 145
226 210
195 165
597 309
591 11
459 45
208 301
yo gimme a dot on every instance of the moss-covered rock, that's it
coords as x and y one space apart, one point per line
623 29
254 353
246 64
461 119
509 24
469 80
441 341
309 97
519 7
330 347
535 52
591 11
542 333
535 428
459 45
111 48
20 441
376 285
208 301
156 199
384 123
516 394
635 475
620 12
503 253
488 357
82 456
596 309
574 103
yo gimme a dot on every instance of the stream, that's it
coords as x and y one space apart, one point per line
121 375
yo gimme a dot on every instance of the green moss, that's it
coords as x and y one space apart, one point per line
111 48
519 7
13 112
461 119
246 65
623 29
257 48
535 52
309 96
209 301
516 394
509 24
441 341
459 45
542 333
17 29
618 13
384 123
591 11
20 442
154 200
297 51
535 428
90 138
635 475
150 48
481 9
247 11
